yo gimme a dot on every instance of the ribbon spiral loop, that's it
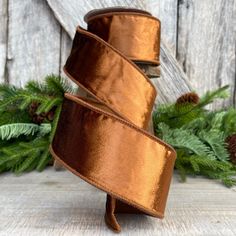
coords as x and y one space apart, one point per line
103 139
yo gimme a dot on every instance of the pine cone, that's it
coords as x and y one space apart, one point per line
231 141
50 114
188 98
40 118
33 108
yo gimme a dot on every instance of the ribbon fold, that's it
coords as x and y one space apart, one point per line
103 138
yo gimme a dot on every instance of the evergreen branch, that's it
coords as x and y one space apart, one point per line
228 123
22 156
24 145
36 87
8 101
21 99
216 140
44 159
48 105
195 125
40 98
199 136
10 131
7 91
181 170
24 98
183 139
216 120
57 85
27 163
14 116
177 115
214 169
55 122
44 129
210 96
25 103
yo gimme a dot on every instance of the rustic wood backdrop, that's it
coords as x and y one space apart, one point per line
198 41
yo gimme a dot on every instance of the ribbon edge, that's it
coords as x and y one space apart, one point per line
93 182
80 101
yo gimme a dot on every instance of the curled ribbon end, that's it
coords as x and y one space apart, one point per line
112 223
110 218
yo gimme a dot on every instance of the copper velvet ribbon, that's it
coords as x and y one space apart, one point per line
103 139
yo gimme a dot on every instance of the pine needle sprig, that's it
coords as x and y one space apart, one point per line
228 122
36 88
199 135
184 139
7 91
53 86
14 116
55 122
179 114
56 85
19 155
44 160
210 96
28 122
14 130
196 165
216 141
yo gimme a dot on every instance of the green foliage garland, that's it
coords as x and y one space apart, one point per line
29 117
199 135
28 121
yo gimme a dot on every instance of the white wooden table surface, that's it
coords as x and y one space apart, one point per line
59 203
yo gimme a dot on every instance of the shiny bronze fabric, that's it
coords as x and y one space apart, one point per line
103 139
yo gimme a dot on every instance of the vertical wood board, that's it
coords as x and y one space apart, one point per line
34 41
206 44
167 12
3 38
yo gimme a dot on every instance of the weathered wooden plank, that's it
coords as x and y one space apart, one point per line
173 80
167 12
59 203
66 44
3 38
34 41
206 43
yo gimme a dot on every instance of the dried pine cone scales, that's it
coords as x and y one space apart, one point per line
40 118
231 141
191 97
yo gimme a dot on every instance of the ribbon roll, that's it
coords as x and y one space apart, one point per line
103 139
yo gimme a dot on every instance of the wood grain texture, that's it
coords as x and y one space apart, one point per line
59 203
3 38
173 81
167 12
206 44
66 44
34 41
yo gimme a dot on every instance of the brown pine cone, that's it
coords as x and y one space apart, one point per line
40 118
192 98
231 141
50 114
33 108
